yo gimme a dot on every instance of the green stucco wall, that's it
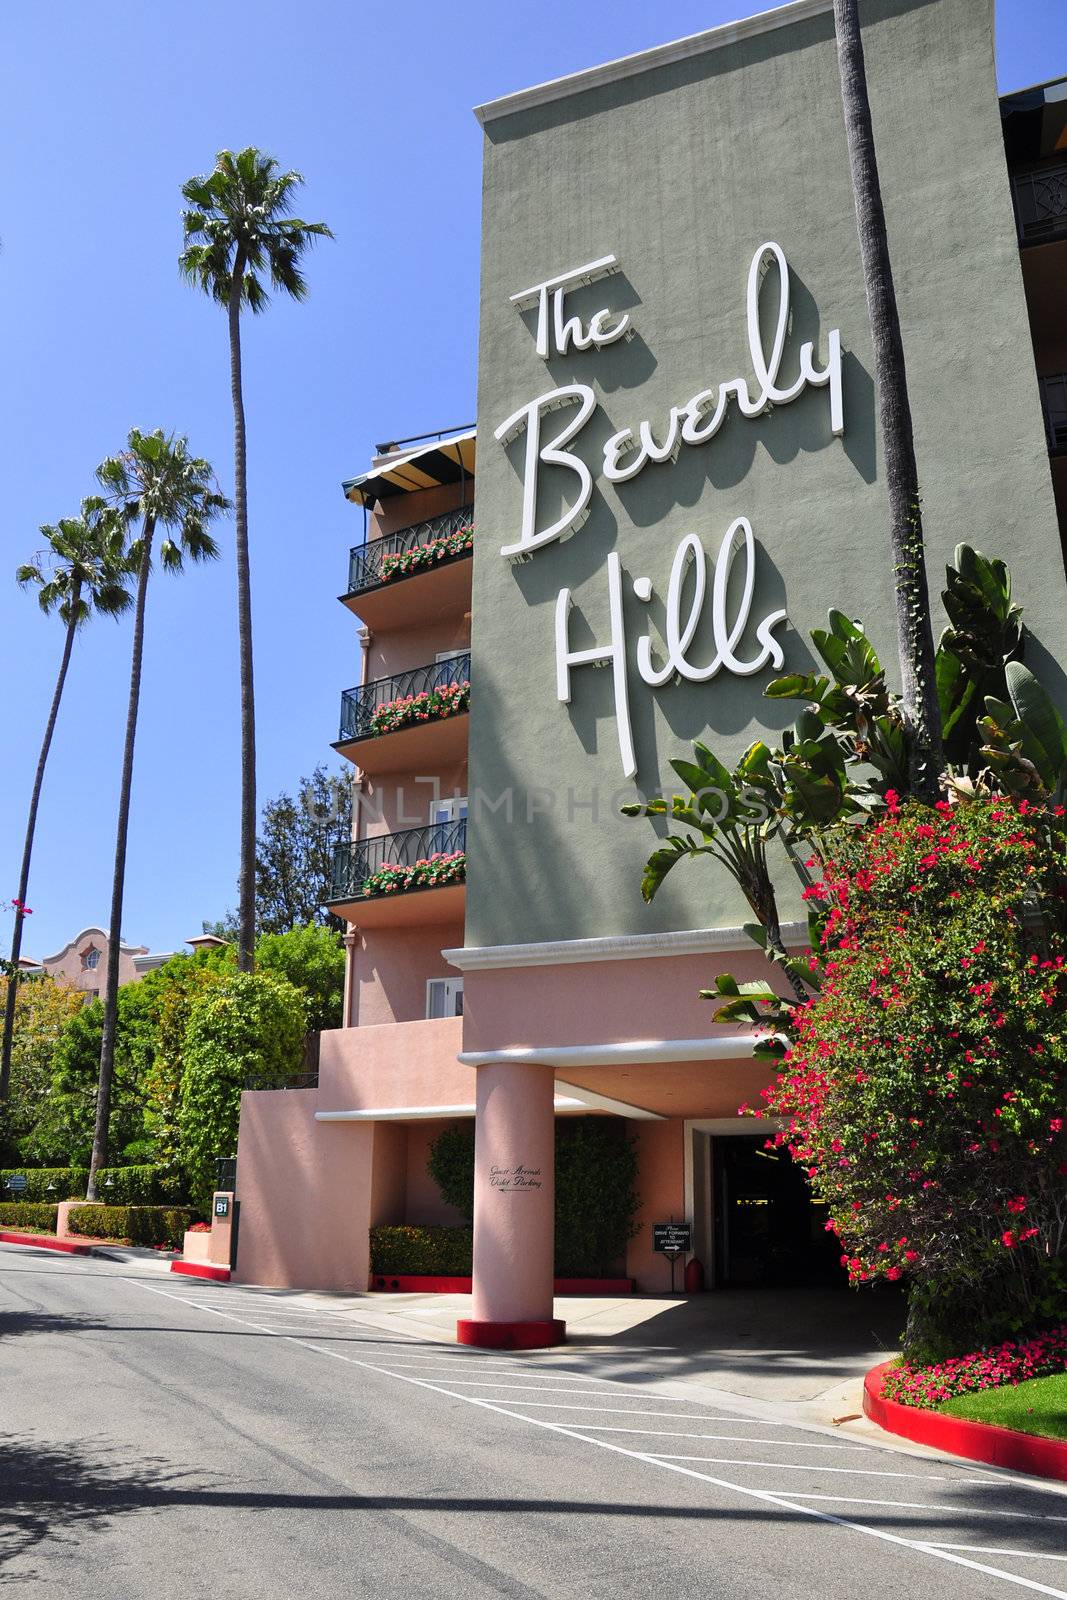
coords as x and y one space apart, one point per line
681 172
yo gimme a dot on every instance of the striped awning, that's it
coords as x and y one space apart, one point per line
427 466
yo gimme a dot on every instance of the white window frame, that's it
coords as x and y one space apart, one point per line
449 808
453 997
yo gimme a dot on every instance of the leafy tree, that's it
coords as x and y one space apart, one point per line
294 856
915 644
313 961
237 234
156 481
63 1133
924 1087
83 570
43 1008
247 1025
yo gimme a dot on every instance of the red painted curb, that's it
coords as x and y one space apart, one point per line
201 1269
977 1441
47 1241
430 1283
512 1335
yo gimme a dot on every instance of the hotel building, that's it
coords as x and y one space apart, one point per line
675 403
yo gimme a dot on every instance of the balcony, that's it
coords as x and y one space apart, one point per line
417 717
1041 203
394 878
413 574
1054 405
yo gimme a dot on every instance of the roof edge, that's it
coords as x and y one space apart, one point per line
662 55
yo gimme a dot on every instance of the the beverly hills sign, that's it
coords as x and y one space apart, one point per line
628 453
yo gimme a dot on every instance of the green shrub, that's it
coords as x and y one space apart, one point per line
445 1251
596 1196
68 1182
28 1217
139 1224
133 1186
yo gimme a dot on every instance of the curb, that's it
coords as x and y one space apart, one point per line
201 1269
47 1241
511 1335
452 1283
977 1441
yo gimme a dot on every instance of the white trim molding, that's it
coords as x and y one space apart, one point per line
694 44
624 947
435 1113
629 1052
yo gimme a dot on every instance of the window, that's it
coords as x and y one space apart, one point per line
90 959
451 667
444 997
453 808
442 837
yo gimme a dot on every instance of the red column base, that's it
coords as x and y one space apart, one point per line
512 1335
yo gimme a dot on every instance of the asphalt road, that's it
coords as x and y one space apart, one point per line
165 1437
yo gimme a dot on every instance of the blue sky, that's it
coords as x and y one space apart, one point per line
107 108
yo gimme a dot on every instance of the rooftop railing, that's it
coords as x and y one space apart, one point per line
1041 203
392 555
357 862
374 708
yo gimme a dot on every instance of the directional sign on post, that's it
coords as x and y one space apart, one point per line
672 1238
17 1182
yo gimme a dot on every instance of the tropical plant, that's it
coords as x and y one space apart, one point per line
237 235
83 570
915 644
157 482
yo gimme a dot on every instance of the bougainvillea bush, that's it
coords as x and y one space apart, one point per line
430 706
429 554
1013 1362
924 1090
428 873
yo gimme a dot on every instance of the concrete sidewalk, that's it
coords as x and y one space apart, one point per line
801 1352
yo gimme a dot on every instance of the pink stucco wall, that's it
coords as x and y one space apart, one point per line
391 966
67 963
392 801
661 1186
423 1205
397 1064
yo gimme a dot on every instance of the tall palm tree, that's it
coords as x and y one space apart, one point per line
237 234
83 570
157 482
915 641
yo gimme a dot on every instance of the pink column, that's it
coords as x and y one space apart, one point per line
514 1220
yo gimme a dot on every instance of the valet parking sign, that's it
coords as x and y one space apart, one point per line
627 453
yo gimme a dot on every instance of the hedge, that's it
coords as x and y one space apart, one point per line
438 1251
27 1217
138 1224
145 1185
67 1183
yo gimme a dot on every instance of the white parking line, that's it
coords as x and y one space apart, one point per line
918 1546
992 1550
804 1466
605 1411
923 1505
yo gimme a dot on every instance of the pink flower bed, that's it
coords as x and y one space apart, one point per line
1010 1363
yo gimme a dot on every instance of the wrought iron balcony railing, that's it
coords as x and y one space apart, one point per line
1041 203
1054 405
375 561
357 862
363 709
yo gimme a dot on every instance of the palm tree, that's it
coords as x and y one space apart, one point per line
157 481
236 235
915 642
84 570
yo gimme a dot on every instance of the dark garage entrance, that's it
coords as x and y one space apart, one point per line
768 1231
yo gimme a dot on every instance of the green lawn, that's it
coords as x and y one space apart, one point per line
1039 1406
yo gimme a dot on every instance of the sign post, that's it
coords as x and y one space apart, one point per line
672 1239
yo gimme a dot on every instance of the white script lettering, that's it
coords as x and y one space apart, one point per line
556 336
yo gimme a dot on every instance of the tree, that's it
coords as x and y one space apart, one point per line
44 1006
157 481
313 961
915 642
84 570
249 1025
236 233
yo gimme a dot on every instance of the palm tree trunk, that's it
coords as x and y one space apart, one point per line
246 892
118 882
27 848
915 641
